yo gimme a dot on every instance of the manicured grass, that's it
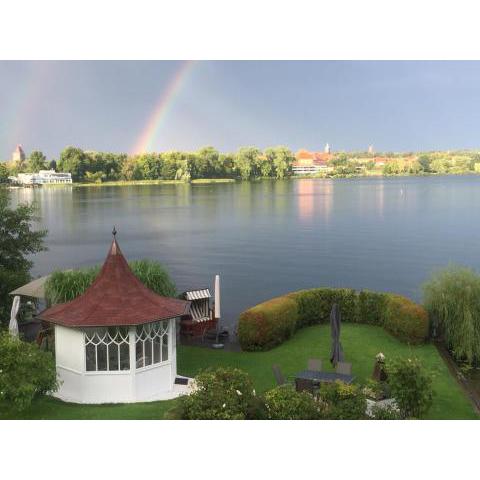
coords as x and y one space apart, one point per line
47 408
360 342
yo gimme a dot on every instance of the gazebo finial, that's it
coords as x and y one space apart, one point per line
114 231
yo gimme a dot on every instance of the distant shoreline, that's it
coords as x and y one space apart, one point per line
211 181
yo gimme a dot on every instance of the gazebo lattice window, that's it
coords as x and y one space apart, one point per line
107 349
151 343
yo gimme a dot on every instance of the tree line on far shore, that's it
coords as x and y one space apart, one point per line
86 166
247 163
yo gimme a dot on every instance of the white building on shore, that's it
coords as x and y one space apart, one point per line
43 177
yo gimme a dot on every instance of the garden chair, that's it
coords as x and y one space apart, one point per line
314 364
277 373
344 368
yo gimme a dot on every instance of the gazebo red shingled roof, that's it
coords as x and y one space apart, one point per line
116 297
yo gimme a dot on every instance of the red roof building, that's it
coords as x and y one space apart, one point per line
116 297
311 162
116 343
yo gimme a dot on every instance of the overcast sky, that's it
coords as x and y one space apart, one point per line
396 106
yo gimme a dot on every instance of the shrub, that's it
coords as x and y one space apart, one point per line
285 403
315 305
452 297
270 323
267 324
25 372
406 320
371 307
344 402
411 386
63 286
223 394
385 413
376 390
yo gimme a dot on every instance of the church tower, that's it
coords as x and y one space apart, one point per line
18 155
327 148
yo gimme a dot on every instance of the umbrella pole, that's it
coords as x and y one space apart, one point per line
216 310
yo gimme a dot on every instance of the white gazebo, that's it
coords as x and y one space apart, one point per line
116 343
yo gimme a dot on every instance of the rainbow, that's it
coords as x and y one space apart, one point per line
37 78
163 107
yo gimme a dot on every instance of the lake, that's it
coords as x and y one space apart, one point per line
270 237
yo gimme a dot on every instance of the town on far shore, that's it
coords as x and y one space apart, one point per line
92 167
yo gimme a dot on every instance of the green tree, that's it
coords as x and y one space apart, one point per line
132 169
452 298
246 162
36 161
265 165
415 167
440 165
17 241
340 160
176 165
227 162
151 164
207 163
3 173
425 162
73 160
281 159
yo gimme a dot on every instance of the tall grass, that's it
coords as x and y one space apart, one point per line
452 297
63 286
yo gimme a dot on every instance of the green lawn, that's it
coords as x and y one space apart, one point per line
360 342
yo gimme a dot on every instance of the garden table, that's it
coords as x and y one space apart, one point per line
306 379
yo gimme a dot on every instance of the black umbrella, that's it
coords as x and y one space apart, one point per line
335 321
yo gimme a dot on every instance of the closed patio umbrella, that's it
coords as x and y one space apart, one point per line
335 321
13 325
217 343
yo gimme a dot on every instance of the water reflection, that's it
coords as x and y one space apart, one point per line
315 197
268 238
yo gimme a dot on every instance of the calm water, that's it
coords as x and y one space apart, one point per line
269 238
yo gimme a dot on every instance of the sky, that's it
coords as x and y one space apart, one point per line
133 106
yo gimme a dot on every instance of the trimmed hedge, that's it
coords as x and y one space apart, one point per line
270 323
406 320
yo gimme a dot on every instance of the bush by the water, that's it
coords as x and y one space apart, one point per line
63 286
411 386
285 403
270 323
344 402
25 372
314 305
405 319
222 394
452 297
